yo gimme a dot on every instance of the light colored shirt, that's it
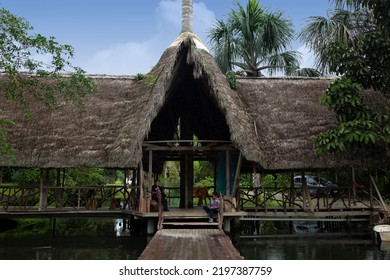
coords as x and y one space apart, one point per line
214 203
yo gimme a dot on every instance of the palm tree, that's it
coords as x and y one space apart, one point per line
225 48
254 40
303 72
341 26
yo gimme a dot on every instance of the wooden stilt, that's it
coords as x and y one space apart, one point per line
292 189
227 172
256 184
141 187
1 175
354 187
380 196
186 180
43 191
306 194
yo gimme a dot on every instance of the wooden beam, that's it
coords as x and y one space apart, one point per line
141 185
186 180
59 192
227 172
42 190
306 193
1 175
379 195
292 189
354 186
237 175
150 169
185 142
256 183
188 148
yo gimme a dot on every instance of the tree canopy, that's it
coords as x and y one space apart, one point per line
34 67
357 49
254 39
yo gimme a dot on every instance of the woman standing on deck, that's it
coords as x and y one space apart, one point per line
157 191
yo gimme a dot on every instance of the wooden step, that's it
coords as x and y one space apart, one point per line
177 224
195 217
188 223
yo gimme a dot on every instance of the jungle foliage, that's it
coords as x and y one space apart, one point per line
354 44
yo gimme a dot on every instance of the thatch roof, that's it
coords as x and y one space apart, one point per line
73 136
286 115
271 121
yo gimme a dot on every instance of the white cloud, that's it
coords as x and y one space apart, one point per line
204 19
170 11
140 56
308 58
125 59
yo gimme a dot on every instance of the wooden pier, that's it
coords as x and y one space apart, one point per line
190 244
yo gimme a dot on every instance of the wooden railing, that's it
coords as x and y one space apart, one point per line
127 197
252 199
88 197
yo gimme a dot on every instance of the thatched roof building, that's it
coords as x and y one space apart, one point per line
271 121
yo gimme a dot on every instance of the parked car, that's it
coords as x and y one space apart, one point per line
316 185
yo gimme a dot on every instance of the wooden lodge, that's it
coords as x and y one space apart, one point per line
136 124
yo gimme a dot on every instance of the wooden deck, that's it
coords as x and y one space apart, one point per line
178 213
190 244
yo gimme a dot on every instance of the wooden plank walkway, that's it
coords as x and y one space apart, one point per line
190 244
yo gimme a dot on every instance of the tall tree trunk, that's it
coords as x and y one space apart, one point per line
187 14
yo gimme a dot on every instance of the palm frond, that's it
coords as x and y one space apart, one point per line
303 72
341 26
281 62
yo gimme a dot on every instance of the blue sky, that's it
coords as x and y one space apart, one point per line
126 37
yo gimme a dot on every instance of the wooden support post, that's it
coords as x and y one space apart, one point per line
255 184
141 186
150 169
150 226
150 180
186 179
371 195
126 194
227 172
78 198
1 175
306 194
59 191
43 191
227 225
135 179
237 175
380 196
235 193
354 187
292 189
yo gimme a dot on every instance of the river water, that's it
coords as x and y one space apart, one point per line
112 243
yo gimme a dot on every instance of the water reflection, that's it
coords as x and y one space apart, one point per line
110 239
73 239
72 248
121 228
312 249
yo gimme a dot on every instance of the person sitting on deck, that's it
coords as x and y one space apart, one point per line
156 188
213 209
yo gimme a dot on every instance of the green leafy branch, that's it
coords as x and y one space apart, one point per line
27 79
